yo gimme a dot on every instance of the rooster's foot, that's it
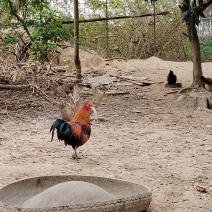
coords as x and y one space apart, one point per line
75 157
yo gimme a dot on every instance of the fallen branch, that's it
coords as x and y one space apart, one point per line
171 92
60 69
155 113
131 78
107 93
135 81
140 83
115 58
14 87
163 113
160 82
21 87
117 93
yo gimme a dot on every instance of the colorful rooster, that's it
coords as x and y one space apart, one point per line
77 131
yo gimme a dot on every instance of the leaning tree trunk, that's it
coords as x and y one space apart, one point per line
197 66
76 41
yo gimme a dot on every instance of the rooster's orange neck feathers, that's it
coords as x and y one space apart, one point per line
82 116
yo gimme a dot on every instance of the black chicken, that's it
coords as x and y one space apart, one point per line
171 78
206 80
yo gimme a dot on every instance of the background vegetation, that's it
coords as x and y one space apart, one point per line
127 38
134 38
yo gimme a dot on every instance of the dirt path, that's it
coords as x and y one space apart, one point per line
148 137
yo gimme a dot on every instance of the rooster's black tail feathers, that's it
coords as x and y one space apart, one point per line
64 131
56 125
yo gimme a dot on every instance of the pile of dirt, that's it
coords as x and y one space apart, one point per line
68 193
88 58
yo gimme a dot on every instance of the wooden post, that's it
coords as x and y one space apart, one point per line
107 35
76 41
154 31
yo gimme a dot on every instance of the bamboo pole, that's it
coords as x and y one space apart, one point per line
117 17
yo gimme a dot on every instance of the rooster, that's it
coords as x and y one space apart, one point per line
77 131
171 78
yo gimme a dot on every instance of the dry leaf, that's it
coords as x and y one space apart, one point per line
98 95
201 189
64 112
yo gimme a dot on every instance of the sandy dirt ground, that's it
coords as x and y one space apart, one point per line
148 136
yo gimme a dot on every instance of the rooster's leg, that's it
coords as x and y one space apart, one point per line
74 156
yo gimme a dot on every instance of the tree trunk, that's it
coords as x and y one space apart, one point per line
76 41
194 39
197 67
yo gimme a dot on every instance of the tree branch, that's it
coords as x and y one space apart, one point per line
205 5
19 18
202 7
